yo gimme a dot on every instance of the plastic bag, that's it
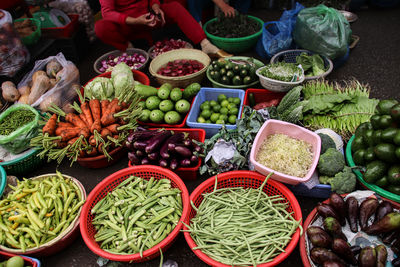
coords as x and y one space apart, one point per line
13 54
322 30
63 92
277 35
19 140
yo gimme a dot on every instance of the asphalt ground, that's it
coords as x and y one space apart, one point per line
374 61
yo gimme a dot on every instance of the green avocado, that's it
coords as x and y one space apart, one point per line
394 175
375 171
377 137
395 112
396 138
369 141
385 152
358 157
383 182
358 143
395 189
385 121
389 134
369 155
375 121
385 105
362 127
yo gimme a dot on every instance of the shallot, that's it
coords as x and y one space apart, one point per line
180 67
134 61
167 45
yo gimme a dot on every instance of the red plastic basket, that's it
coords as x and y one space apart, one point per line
164 125
188 173
310 218
101 161
100 191
261 95
246 179
27 261
62 32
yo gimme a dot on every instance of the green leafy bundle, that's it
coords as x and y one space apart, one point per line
281 71
313 65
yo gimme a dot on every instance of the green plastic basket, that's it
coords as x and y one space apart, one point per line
235 45
3 180
24 164
34 37
216 84
380 191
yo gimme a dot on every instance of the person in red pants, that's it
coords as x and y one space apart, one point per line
124 20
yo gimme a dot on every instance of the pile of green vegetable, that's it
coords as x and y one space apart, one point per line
37 211
282 71
376 146
242 226
233 27
224 110
137 215
233 72
313 65
16 119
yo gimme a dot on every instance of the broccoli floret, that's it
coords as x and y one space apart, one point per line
344 181
324 179
331 162
326 142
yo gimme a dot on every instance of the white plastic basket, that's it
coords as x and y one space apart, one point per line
278 86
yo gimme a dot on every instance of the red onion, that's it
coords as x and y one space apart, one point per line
134 61
167 45
180 67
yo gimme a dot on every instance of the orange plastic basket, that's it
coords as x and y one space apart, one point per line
246 179
107 185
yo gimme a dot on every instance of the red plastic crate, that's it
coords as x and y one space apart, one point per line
188 173
28 261
261 95
164 125
62 32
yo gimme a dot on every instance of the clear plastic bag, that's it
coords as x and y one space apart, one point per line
19 140
13 54
63 92
322 30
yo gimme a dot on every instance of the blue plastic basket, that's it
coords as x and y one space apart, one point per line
205 94
35 260
3 180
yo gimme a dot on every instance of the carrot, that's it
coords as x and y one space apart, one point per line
50 125
60 144
59 130
95 108
88 114
108 120
85 132
105 132
116 136
124 105
104 104
66 135
75 120
83 118
82 154
100 148
91 152
92 141
65 124
72 141
113 128
96 126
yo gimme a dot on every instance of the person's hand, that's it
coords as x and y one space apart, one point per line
228 10
159 13
145 19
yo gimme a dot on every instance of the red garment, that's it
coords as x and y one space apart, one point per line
113 30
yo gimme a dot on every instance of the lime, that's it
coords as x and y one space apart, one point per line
142 104
208 121
234 111
237 101
231 106
176 94
232 119
216 108
213 103
224 110
182 106
225 103
163 92
172 117
214 117
220 122
152 102
166 105
206 102
230 99
223 117
145 115
156 116
221 97
206 113
201 120
205 107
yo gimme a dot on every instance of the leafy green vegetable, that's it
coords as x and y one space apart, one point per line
99 88
290 108
122 78
237 26
313 65
325 104
343 182
281 71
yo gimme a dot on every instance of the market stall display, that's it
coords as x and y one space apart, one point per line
281 76
167 45
135 58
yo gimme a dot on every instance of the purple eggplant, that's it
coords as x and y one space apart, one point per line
381 255
156 141
141 135
171 146
133 158
318 237
367 209
384 208
390 222
332 264
333 227
321 255
140 153
197 148
337 202
187 142
183 151
194 159
171 141
367 257
352 213
185 162
163 163
153 156
326 210
388 238
342 248
129 145
173 164
355 249
140 145
145 161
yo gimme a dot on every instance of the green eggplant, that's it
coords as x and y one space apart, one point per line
333 227
318 237
367 209
390 222
367 257
381 255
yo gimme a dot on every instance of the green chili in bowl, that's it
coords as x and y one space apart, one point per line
14 120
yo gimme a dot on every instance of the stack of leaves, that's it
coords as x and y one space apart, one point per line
340 108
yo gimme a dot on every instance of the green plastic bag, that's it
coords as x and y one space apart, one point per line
322 30
19 140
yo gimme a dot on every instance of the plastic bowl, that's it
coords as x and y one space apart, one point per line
379 190
101 161
115 53
63 240
184 53
107 185
150 51
278 86
279 127
235 45
257 63
246 179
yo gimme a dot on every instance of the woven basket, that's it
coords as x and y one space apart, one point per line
278 86
183 81
150 51
289 56
24 164
115 53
